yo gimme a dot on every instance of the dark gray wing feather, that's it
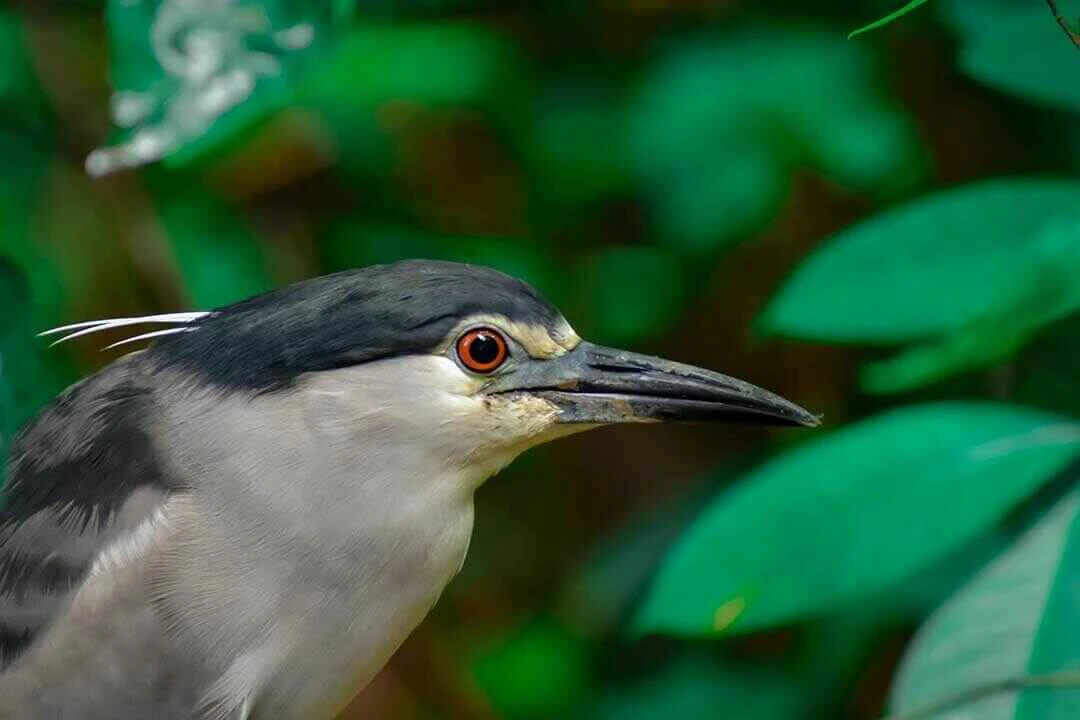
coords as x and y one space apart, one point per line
80 475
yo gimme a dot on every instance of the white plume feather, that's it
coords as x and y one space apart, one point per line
93 326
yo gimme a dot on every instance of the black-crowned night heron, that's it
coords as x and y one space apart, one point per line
249 517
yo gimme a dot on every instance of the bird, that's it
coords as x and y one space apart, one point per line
246 517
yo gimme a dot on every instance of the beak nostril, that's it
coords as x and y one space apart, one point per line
609 368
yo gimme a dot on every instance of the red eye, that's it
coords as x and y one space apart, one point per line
482 350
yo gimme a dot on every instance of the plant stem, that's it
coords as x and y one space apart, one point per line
1073 35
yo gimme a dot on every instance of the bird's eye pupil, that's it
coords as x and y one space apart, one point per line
482 350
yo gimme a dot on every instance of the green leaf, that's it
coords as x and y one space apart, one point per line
853 514
1016 47
1047 291
697 685
188 76
894 15
719 126
928 268
220 260
1017 618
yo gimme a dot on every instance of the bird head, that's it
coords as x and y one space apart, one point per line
458 364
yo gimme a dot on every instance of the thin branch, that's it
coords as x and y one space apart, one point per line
1073 35
1064 679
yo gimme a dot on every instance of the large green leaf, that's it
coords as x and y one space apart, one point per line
853 514
719 125
1016 47
220 259
1046 290
1017 618
189 74
930 267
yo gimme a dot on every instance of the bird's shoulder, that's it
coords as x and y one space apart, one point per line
80 475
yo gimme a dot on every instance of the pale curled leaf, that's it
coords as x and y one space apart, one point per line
1015 620
184 69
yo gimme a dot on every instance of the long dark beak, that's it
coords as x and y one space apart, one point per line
598 385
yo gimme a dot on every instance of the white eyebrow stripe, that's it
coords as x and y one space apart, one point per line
147 336
93 326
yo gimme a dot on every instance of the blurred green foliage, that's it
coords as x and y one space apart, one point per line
721 123
660 170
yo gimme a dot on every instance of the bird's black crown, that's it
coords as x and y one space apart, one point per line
346 318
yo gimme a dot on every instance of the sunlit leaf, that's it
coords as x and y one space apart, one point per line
891 17
1016 618
700 686
853 514
1016 47
188 75
220 260
929 267
720 124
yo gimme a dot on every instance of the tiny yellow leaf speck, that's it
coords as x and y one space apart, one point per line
728 613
